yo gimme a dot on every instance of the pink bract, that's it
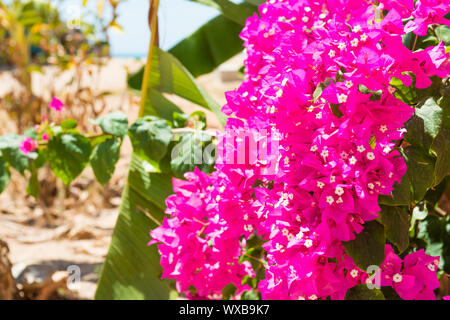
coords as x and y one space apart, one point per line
28 145
56 104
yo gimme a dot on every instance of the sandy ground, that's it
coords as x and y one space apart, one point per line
75 229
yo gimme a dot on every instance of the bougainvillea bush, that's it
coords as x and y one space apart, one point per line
331 163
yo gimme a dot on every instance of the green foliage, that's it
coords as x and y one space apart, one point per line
69 124
68 154
114 123
150 137
33 187
396 226
5 175
217 40
435 232
368 247
10 150
104 158
168 75
189 153
210 46
362 292
232 11
132 269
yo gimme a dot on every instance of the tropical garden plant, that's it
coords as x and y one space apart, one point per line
324 182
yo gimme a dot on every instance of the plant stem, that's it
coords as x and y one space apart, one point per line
415 42
153 13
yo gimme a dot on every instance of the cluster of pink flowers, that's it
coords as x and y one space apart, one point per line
317 90
29 144
200 243
416 280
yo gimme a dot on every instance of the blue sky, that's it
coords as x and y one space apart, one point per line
177 19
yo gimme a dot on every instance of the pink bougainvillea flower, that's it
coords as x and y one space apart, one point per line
28 145
56 104
45 136
427 12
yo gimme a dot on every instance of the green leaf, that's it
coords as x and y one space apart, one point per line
319 89
255 2
168 75
114 123
228 291
444 34
10 150
362 292
158 105
441 147
69 124
190 153
5 175
104 158
198 120
396 226
33 187
424 125
420 171
31 133
368 247
150 138
251 295
180 120
232 11
373 141
401 195
132 268
436 234
420 212
68 154
211 45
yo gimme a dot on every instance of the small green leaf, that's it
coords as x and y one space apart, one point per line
251 295
443 32
372 142
396 226
68 154
33 187
192 151
441 147
69 124
31 133
180 119
420 212
198 120
5 175
436 234
401 195
319 89
10 150
420 171
104 158
362 292
424 125
150 138
114 123
228 291
368 247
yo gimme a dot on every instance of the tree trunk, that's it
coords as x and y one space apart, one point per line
7 281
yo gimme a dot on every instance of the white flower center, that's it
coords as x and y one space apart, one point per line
397 278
